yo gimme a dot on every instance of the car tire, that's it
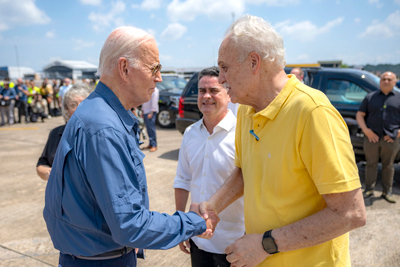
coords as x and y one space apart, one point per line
164 118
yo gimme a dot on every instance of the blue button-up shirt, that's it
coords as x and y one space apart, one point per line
96 197
18 89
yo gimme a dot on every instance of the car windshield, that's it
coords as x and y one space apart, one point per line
171 83
371 77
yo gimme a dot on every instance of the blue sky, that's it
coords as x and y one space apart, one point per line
189 32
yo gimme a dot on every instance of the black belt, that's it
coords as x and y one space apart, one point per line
107 255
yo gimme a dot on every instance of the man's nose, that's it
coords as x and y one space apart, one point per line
221 78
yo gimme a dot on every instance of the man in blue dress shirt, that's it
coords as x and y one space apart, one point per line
96 205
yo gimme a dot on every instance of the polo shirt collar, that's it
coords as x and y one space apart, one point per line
126 116
273 108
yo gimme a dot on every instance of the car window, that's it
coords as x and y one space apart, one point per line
171 82
345 92
191 88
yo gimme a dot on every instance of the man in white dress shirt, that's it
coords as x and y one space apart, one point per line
206 159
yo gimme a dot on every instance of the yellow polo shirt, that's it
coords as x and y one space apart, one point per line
303 152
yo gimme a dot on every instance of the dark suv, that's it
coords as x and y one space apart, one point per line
345 88
170 90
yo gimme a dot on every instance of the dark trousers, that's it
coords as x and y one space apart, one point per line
201 258
387 152
23 110
127 260
151 129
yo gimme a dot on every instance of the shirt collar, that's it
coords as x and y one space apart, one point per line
273 108
225 124
127 118
390 93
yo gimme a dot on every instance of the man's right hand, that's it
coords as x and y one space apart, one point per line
209 215
185 246
372 137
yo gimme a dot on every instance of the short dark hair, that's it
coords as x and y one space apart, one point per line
213 72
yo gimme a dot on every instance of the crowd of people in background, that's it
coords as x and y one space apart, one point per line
33 100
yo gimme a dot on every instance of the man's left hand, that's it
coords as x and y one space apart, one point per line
150 115
388 139
246 251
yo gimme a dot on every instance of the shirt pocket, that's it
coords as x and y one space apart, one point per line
138 166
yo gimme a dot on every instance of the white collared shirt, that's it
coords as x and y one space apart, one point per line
205 162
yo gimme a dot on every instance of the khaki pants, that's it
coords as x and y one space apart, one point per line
387 153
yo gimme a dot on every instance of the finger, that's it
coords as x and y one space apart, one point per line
187 243
232 259
203 210
183 248
229 249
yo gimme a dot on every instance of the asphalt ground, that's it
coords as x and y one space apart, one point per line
24 240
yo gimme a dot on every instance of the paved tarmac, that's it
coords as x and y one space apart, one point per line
24 240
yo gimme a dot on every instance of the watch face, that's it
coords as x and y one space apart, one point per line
269 245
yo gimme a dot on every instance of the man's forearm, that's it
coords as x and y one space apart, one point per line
335 220
230 191
181 198
360 117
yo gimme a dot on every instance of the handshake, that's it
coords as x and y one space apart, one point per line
209 214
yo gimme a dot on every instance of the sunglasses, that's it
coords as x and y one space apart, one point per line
154 69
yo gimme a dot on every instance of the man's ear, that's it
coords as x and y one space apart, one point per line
123 68
255 60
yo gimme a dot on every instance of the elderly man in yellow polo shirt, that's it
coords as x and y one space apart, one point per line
294 161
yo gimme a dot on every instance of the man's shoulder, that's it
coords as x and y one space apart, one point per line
193 128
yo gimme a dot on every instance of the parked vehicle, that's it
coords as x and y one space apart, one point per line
345 88
170 90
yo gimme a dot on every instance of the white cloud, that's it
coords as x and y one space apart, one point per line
375 2
173 32
111 18
50 34
274 2
91 2
397 2
28 14
79 44
386 29
151 4
357 20
215 9
305 31
394 19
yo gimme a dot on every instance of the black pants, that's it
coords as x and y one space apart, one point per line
201 258
23 110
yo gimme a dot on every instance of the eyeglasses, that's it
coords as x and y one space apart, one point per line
154 69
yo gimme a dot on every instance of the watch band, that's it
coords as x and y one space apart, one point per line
271 248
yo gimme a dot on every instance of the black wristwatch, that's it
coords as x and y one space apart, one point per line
269 244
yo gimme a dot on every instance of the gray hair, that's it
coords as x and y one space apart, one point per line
213 72
78 90
122 42
253 34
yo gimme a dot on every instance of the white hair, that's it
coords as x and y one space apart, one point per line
253 34
78 90
122 42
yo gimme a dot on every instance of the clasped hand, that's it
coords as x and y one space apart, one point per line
209 215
